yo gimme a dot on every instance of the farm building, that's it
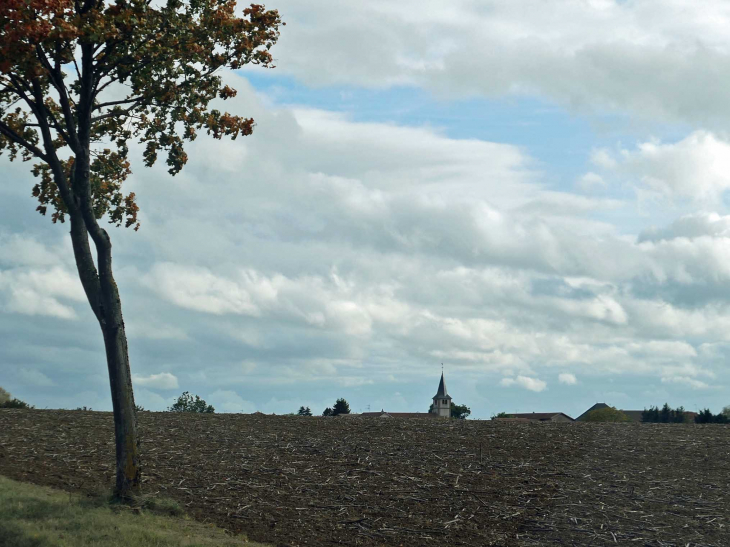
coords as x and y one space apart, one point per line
384 414
544 417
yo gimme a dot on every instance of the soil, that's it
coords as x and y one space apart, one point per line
295 481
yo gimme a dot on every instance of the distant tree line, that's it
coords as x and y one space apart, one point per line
665 415
707 417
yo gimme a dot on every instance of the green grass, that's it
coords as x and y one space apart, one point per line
34 516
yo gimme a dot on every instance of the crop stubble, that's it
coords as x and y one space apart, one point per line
370 481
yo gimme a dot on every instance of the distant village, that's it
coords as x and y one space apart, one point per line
443 407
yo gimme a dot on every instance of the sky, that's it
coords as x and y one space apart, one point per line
533 193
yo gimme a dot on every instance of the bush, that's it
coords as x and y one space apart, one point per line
186 403
7 401
607 415
15 403
501 415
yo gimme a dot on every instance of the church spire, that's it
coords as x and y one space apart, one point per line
442 387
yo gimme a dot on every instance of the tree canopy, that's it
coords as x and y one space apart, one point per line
159 67
341 406
460 412
186 403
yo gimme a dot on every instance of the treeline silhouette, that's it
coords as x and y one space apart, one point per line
665 415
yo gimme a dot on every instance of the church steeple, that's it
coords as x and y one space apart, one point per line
442 400
442 387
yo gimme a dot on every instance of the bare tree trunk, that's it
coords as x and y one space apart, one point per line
125 419
103 295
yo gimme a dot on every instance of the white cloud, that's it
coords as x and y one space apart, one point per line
33 283
34 378
567 378
661 59
695 167
162 380
230 401
590 181
347 253
685 380
532 384
698 166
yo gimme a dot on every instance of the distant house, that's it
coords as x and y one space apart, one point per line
384 414
543 417
597 406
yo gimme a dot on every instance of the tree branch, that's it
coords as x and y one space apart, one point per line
51 159
57 80
17 139
114 103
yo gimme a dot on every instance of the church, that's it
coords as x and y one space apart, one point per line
440 408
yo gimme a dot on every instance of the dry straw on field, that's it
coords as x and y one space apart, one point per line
358 481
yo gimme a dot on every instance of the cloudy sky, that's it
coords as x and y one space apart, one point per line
532 192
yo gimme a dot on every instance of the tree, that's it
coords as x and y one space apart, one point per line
707 417
63 64
341 407
186 403
4 396
327 412
609 414
726 411
304 411
501 415
460 412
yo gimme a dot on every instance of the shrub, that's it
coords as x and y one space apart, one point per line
605 415
186 403
8 401
501 415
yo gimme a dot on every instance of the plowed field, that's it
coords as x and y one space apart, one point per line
372 481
